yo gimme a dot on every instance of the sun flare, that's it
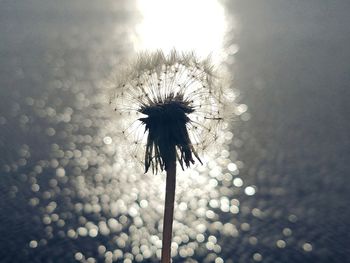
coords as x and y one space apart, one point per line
183 25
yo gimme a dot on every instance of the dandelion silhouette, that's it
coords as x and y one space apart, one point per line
171 105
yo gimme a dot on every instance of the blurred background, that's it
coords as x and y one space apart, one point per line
277 189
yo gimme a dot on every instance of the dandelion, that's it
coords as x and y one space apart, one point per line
172 107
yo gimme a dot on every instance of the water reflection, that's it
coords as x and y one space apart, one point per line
70 191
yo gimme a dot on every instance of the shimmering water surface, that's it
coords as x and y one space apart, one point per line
275 188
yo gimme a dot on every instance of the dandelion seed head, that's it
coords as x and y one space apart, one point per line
164 101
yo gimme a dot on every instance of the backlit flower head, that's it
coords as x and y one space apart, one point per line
167 102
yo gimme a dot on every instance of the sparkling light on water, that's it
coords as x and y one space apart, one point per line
83 198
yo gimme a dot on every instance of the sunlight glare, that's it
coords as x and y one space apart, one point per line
183 25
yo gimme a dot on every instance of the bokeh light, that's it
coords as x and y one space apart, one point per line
272 190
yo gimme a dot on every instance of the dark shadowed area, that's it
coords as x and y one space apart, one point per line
277 191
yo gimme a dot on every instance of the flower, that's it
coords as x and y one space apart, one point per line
169 102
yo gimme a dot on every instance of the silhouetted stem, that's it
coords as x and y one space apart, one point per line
168 211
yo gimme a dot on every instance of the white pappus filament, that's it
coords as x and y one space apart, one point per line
168 101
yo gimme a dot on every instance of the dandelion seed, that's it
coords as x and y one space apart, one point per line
167 101
171 105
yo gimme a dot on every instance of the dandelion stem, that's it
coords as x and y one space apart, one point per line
169 209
